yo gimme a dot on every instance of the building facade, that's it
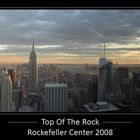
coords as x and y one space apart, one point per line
104 78
55 99
136 93
33 71
6 92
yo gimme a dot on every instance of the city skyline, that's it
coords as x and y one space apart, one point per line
70 36
70 88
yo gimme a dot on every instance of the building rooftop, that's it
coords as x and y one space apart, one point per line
110 108
101 103
55 85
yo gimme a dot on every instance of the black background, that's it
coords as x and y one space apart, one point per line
69 4
20 129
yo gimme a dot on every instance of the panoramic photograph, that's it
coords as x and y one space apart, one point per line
70 61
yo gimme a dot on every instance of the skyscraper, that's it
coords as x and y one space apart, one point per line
136 94
104 78
16 97
6 92
12 75
124 81
33 71
56 97
92 89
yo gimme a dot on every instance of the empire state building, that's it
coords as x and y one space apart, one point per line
33 71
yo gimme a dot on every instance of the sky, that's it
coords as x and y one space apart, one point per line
70 36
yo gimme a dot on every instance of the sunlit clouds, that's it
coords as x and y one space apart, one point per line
70 36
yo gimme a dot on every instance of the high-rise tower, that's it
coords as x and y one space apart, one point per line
104 78
6 92
55 99
33 71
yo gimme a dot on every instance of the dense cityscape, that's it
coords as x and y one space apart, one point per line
105 87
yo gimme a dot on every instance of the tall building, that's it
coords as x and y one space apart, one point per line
6 92
136 79
92 89
33 71
55 99
115 77
12 75
136 100
16 98
104 78
136 93
124 81
123 74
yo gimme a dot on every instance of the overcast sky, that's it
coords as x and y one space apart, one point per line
70 36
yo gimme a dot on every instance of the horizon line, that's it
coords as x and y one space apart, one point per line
71 63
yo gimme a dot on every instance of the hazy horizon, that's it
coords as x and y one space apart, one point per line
6 64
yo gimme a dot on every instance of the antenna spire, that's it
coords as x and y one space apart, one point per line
33 47
104 49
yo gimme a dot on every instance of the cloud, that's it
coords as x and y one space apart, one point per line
78 32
